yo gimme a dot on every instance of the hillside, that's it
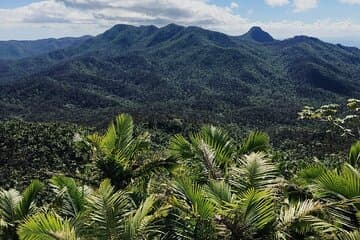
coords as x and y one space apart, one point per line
177 72
10 50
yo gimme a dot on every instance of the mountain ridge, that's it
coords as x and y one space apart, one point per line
17 49
180 72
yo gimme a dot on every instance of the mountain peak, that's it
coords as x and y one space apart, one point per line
258 35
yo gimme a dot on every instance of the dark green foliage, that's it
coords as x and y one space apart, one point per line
38 151
183 72
119 153
255 142
240 194
258 35
22 49
354 155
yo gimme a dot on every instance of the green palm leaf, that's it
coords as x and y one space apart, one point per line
143 222
219 192
118 149
355 235
107 209
73 197
339 185
294 218
190 198
255 142
208 153
257 208
15 207
28 196
354 154
46 227
255 171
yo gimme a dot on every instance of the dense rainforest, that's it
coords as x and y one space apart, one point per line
224 137
204 185
175 72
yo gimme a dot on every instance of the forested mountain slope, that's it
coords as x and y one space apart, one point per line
22 49
179 72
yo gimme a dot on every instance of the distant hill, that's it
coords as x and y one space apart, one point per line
23 49
177 72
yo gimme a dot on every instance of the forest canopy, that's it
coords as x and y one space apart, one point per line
203 184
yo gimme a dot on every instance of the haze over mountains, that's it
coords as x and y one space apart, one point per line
174 72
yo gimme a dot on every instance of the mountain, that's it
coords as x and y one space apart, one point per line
258 35
178 72
23 49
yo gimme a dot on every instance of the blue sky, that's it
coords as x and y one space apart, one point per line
331 20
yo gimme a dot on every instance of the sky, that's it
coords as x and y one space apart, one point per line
335 21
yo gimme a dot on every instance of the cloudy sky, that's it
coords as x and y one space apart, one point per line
331 20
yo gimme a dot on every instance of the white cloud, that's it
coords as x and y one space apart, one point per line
304 5
350 1
57 18
234 5
276 3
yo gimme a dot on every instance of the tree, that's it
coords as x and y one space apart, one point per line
119 154
210 153
15 207
346 119
109 214
227 209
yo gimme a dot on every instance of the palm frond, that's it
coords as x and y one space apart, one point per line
355 235
190 197
46 227
119 134
257 208
117 151
339 185
255 171
28 196
107 209
354 154
293 217
219 192
211 150
310 173
8 203
208 160
142 223
220 143
255 142
73 197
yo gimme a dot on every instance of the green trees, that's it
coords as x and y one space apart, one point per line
103 213
15 207
119 153
345 119
215 189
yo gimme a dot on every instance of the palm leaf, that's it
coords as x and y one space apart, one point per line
107 209
257 208
355 235
8 203
293 217
142 223
220 143
190 197
354 154
28 196
46 227
339 185
255 142
255 171
72 196
219 192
